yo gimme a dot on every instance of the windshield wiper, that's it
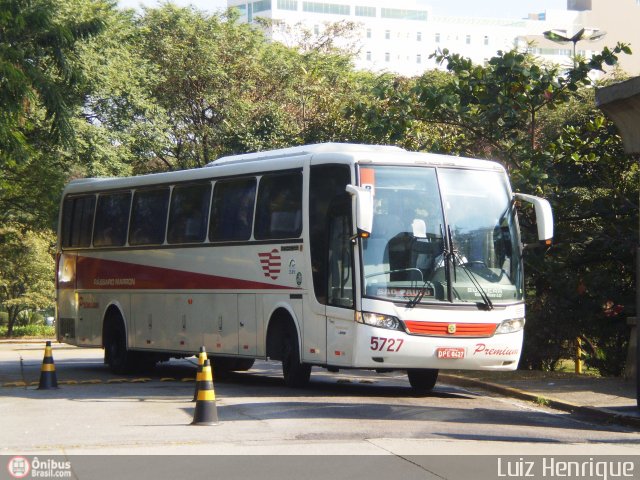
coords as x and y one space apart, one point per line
452 255
483 294
420 295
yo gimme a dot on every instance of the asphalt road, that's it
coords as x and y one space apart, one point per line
351 412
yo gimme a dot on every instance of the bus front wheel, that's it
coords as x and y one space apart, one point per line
422 380
296 373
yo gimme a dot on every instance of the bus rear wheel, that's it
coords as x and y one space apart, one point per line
296 374
422 380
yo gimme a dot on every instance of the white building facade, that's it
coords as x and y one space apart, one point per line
401 36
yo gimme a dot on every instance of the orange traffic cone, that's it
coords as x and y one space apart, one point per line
48 379
206 411
202 356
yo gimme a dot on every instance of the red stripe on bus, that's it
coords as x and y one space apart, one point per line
95 273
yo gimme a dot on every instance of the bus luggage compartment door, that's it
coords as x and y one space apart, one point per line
220 314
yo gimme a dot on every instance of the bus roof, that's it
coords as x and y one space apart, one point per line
330 147
285 158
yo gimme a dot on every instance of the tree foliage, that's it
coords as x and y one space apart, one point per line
26 270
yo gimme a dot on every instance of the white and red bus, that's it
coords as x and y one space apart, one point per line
330 255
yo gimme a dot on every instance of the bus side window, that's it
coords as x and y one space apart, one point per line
188 213
232 209
279 206
77 221
112 220
149 216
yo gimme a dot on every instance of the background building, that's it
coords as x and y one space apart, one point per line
400 36
618 18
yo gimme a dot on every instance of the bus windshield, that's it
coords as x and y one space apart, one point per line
441 235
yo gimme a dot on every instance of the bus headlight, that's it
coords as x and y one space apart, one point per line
378 320
511 326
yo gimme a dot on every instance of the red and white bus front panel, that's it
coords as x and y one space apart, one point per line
442 338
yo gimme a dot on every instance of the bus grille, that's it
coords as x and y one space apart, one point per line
443 329
67 327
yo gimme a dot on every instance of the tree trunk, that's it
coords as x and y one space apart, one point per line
13 316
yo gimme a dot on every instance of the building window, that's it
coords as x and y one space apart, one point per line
419 36
486 40
242 9
368 33
368 56
387 56
316 29
437 38
399 14
288 5
261 6
387 34
468 40
330 8
418 58
365 11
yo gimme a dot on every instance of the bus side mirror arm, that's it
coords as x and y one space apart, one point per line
544 216
364 209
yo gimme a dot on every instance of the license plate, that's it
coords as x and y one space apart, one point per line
446 353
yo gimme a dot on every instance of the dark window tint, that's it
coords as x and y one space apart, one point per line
189 213
279 208
340 268
112 218
326 189
149 216
232 209
77 221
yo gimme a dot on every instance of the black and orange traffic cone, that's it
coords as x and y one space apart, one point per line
202 356
48 378
206 411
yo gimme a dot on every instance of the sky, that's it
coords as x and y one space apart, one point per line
466 8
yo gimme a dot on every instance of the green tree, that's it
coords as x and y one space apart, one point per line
39 87
26 271
587 288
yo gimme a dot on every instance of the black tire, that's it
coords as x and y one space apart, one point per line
296 374
422 380
119 358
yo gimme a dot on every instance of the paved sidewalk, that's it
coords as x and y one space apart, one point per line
608 399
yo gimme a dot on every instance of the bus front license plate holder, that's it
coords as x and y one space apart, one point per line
450 353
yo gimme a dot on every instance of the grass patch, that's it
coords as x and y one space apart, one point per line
22 331
543 402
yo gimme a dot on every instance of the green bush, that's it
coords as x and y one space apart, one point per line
4 318
29 331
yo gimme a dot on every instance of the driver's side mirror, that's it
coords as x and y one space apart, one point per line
364 209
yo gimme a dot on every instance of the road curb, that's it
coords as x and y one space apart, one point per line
595 413
26 340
